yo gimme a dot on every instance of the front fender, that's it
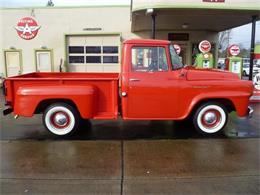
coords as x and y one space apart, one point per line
28 98
240 101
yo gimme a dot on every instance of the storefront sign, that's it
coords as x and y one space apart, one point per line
234 50
177 48
205 46
178 36
27 28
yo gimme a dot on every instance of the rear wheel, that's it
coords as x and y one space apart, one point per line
210 118
61 119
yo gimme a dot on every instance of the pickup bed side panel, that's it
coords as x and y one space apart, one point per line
28 97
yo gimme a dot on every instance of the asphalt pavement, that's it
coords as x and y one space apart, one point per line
129 157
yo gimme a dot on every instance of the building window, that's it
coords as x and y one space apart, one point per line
149 59
93 59
44 60
110 49
76 59
76 49
93 54
110 59
93 49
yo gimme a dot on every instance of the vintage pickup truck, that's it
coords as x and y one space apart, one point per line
153 85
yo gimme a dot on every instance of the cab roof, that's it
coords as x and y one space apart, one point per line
146 41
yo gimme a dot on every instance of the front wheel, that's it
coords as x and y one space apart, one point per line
61 119
210 118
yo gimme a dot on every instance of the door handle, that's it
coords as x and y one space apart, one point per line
133 79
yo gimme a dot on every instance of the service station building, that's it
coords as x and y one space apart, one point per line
89 38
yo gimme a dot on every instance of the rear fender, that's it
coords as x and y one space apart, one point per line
29 97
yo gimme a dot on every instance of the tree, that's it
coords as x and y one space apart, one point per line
50 3
223 40
244 52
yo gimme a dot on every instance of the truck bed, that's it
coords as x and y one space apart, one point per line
105 85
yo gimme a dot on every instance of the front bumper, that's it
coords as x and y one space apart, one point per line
250 112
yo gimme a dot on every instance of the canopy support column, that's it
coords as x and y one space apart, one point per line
254 19
153 26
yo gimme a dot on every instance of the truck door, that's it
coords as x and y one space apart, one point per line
152 91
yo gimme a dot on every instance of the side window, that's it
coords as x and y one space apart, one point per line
175 59
149 59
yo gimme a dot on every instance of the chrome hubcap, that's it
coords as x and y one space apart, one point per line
60 119
210 118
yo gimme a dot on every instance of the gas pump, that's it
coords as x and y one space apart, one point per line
234 62
256 75
257 55
205 58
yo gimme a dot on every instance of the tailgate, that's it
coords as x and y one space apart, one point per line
7 92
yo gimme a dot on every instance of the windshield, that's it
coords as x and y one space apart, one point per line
175 59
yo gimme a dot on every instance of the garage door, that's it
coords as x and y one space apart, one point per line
93 53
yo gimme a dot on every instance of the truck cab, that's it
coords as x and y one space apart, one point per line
151 76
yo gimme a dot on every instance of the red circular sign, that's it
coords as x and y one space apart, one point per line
204 46
234 50
177 48
27 28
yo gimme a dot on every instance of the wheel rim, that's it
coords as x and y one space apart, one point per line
211 119
59 120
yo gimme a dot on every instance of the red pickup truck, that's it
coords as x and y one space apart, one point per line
153 85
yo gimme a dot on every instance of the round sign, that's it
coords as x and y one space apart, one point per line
234 50
204 46
27 28
177 48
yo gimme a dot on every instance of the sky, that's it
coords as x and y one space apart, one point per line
239 35
242 35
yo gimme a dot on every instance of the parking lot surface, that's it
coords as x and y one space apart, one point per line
116 157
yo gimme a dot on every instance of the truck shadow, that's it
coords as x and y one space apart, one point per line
129 130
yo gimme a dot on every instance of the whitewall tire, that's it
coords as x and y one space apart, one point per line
210 118
61 119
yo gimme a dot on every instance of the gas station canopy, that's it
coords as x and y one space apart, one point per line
211 15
